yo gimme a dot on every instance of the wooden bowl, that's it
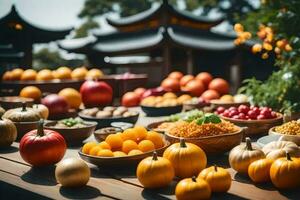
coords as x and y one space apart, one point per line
161 111
73 136
256 126
106 122
101 134
285 137
71 113
154 126
217 103
120 161
11 102
191 106
216 144
25 127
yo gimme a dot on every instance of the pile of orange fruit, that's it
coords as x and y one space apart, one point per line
168 99
60 73
132 141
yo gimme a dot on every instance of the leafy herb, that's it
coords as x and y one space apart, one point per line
209 118
186 116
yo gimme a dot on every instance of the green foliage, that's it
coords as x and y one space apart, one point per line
45 59
82 31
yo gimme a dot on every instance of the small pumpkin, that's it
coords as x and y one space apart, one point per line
192 189
277 149
187 159
218 178
241 156
259 170
8 133
285 172
23 114
155 172
42 110
42 147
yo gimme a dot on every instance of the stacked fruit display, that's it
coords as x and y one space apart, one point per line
244 112
61 73
130 142
168 99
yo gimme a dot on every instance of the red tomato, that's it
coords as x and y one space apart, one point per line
139 91
205 77
42 147
185 79
243 109
210 95
170 85
195 87
96 93
130 99
176 75
220 85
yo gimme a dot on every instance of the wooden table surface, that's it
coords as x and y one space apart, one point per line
19 181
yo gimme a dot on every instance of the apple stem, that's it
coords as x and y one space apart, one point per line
154 156
182 143
288 156
24 107
194 179
40 129
248 144
215 167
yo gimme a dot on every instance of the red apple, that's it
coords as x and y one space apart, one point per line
154 92
96 93
57 105
130 99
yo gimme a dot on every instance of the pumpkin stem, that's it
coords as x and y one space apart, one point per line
154 156
215 167
40 129
24 107
194 179
182 143
248 144
288 156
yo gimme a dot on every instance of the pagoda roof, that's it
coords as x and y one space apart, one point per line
120 43
13 23
158 11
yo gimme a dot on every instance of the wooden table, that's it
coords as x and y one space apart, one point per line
19 181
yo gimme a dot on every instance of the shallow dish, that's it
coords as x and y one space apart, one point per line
256 126
154 126
105 122
11 102
286 137
213 144
161 111
73 136
216 103
120 161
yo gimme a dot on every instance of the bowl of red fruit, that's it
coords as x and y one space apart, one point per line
258 119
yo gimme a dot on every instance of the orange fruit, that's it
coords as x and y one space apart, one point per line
156 138
129 145
79 73
72 96
105 153
146 145
63 73
29 75
16 74
31 92
141 132
119 154
94 151
114 141
104 145
44 75
88 146
94 74
7 76
135 152
129 134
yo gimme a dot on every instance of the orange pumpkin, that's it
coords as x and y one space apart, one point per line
192 189
44 75
187 159
94 74
285 172
63 73
155 172
79 73
31 92
72 96
16 74
29 75
259 170
218 178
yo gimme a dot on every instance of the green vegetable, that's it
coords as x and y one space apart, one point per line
71 121
186 116
208 118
